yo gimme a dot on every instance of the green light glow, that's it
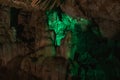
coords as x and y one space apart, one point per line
61 27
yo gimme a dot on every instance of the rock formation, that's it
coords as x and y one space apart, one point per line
28 50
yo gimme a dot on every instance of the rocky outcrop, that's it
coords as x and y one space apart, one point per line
104 13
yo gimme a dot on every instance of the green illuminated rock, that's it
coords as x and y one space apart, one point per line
60 27
91 48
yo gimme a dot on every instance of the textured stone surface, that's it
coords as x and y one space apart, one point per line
105 13
102 12
4 24
36 47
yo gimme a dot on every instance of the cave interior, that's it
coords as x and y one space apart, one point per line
59 40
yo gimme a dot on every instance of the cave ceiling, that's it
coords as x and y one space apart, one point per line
106 13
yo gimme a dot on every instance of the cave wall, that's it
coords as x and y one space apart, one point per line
34 43
29 34
29 38
103 13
